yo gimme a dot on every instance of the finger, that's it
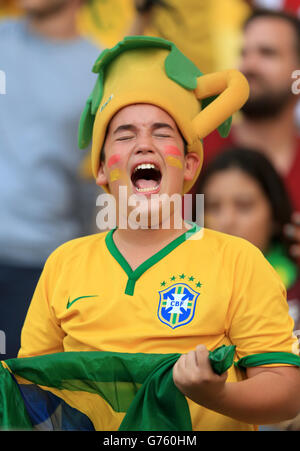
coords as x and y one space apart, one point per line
222 377
292 231
201 350
295 251
191 360
297 233
175 373
181 361
296 218
201 347
177 368
201 355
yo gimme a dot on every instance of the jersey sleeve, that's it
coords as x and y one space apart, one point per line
258 319
41 333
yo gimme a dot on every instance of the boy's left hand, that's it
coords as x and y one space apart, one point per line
195 378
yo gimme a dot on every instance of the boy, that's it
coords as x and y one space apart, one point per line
165 290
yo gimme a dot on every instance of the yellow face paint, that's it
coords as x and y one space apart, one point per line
174 162
114 175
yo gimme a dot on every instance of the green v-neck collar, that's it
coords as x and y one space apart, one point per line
134 275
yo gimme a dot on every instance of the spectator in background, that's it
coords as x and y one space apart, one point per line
245 197
144 14
143 17
42 200
8 7
188 24
292 6
270 54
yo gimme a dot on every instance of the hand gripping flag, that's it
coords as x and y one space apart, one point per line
98 391
104 390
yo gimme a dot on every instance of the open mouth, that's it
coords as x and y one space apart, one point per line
146 178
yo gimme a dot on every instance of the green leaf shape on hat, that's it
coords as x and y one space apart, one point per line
177 66
224 128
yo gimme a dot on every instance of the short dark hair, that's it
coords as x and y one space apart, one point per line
253 163
292 20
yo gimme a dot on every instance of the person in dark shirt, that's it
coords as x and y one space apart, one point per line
270 56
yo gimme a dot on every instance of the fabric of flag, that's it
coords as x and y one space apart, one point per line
92 391
97 391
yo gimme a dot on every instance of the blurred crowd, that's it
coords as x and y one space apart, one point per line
251 179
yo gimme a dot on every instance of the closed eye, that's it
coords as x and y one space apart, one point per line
124 138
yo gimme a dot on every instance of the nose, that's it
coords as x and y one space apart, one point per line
249 61
227 221
143 150
144 145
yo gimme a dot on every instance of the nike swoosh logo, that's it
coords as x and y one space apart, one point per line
77 299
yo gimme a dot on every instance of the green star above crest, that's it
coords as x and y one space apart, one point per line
181 277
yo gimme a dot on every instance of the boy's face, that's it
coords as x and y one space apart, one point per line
144 152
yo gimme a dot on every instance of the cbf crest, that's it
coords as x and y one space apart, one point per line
177 305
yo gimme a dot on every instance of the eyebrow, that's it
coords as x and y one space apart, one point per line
157 125
269 49
133 128
125 127
263 48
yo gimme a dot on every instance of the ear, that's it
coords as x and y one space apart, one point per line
101 176
192 162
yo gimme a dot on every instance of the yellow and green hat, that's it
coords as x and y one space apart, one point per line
144 69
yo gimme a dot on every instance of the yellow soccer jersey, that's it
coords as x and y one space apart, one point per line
205 287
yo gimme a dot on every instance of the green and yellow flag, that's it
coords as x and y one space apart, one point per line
103 391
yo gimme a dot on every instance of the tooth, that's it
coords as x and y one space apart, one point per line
146 166
144 190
